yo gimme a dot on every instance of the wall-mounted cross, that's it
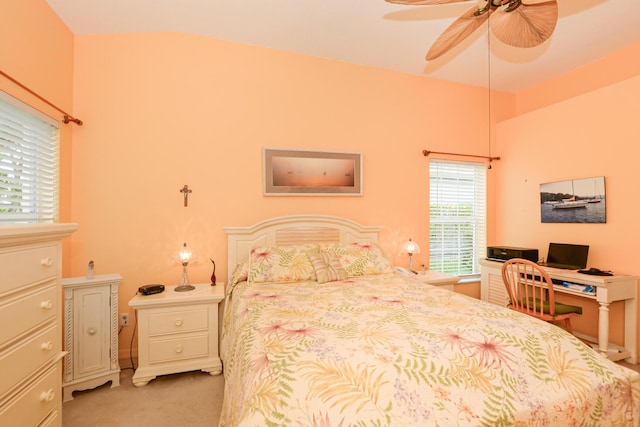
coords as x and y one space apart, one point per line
185 193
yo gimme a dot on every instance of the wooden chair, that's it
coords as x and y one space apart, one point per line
530 291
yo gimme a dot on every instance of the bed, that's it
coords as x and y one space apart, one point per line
319 330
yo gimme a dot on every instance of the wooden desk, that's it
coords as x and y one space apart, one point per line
607 289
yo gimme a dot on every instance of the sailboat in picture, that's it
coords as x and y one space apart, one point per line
571 202
596 198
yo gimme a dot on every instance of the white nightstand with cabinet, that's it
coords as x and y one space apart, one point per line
90 332
177 332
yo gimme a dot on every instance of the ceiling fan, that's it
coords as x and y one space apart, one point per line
512 22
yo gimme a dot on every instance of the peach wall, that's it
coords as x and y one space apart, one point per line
163 110
36 49
611 69
594 134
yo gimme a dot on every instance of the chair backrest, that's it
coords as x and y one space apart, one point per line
529 287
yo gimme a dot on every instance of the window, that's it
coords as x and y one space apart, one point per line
29 143
457 227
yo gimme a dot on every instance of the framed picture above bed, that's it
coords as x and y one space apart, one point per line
290 172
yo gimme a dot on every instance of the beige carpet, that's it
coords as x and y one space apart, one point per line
191 399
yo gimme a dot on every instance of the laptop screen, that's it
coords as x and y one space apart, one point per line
563 255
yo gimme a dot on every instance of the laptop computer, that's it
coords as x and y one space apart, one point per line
567 256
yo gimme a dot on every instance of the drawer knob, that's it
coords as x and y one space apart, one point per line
179 349
47 396
92 331
46 262
46 345
179 322
46 304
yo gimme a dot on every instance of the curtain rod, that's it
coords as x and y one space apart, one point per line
67 117
426 153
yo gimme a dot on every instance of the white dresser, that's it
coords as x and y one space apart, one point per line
90 332
177 332
30 315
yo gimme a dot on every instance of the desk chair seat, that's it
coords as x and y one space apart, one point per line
530 291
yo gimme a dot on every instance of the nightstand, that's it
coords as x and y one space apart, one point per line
177 332
436 278
90 333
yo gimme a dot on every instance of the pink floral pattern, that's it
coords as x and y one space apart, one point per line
386 350
280 264
360 259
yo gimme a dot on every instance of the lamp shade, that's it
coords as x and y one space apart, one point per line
185 254
411 247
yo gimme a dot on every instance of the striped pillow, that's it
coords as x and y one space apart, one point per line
327 266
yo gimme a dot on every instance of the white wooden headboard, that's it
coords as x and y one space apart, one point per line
292 230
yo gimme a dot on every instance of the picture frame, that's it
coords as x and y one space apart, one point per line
574 201
294 172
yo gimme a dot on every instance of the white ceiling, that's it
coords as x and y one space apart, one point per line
375 33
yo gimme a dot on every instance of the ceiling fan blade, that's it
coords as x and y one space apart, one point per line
424 2
461 28
526 25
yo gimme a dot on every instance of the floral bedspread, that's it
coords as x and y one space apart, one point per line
388 351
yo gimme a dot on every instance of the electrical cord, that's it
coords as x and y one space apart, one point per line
133 335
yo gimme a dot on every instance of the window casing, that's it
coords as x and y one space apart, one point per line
29 164
457 221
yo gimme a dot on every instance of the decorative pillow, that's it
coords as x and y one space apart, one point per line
240 273
360 259
327 266
280 264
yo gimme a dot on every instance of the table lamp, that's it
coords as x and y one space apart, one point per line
184 256
411 248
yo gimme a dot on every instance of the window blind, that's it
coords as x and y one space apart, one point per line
457 225
29 159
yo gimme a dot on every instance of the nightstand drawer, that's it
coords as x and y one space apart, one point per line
28 266
32 405
22 314
167 350
171 321
27 357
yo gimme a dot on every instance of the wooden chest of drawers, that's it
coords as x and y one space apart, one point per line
30 315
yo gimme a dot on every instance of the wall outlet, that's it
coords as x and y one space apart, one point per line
124 319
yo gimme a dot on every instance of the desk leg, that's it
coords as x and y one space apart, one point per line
603 327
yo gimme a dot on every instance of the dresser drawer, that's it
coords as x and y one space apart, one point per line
21 314
169 321
27 357
168 350
31 406
28 266
53 420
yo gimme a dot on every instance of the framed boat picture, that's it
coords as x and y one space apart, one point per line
577 200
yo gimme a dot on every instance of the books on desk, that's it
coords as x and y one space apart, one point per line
588 289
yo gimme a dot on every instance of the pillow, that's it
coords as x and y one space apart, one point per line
240 273
327 266
360 259
280 264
